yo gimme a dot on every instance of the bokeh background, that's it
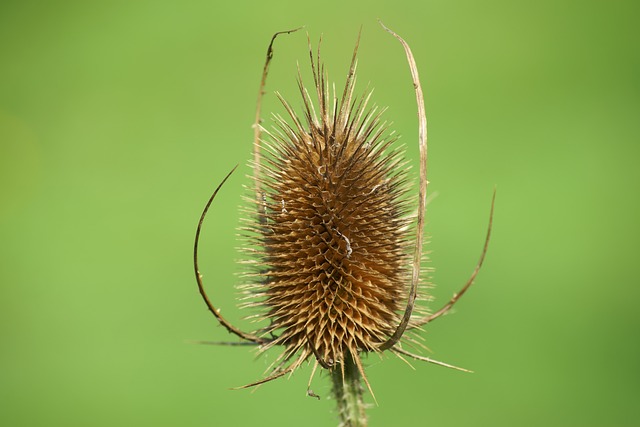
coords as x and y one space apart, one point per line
117 120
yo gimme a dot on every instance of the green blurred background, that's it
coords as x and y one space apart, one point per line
117 119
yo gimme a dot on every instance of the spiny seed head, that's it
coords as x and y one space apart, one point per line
330 236
331 241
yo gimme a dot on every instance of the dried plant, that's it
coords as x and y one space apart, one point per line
332 253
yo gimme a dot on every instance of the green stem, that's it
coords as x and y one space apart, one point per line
348 392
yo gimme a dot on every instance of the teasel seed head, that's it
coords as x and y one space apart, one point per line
331 238
334 250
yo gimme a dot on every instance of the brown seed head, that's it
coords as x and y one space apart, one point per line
333 255
333 259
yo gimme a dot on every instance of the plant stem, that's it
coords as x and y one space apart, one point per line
347 390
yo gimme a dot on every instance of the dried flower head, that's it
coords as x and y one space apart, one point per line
334 262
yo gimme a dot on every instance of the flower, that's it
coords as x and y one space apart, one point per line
334 264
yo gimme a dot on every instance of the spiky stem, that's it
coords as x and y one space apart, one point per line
348 392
